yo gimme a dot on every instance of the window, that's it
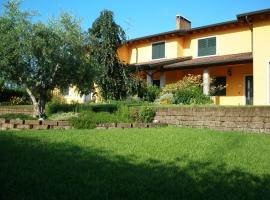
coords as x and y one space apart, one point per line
158 50
207 46
156 82
218 86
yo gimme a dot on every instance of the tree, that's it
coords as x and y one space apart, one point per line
105 38
42 57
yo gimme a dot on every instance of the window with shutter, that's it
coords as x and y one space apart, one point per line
158 50
207 46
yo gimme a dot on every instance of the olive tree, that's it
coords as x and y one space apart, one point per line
41 57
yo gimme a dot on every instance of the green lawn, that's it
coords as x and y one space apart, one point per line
164 163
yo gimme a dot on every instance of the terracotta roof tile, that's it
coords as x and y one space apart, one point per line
213 60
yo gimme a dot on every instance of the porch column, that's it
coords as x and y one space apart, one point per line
206 82
149 79
162 79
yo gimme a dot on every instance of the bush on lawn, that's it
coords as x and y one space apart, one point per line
151 93
144 114
16 116
63 116
52 108
164 99
90 119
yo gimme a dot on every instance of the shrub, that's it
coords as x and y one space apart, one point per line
187 91
63 116
151 93
17 116
52 108
167 98
14 97
193 95
144 114
90 119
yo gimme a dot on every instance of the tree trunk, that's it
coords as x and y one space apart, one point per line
34 101
42 103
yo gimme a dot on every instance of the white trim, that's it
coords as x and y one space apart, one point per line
244 88
161 41
197 45
268 83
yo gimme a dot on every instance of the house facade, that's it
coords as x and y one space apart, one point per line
234 53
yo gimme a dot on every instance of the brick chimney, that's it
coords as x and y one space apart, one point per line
182 23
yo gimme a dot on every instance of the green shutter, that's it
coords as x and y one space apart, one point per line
207 46
158 50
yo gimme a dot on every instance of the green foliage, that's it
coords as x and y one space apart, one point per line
187 91
165 99
151 93
114 79
63 116
16 116
52 108
41 56
193 95
147 114
90 119
13 96
143 114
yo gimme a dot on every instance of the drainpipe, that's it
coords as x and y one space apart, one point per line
250 25
136 55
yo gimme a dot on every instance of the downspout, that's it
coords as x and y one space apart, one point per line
136 55
250 25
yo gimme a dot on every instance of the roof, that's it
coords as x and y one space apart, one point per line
212 61
175 32
186 32
258 12
160 62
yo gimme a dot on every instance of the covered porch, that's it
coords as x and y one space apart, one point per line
233 71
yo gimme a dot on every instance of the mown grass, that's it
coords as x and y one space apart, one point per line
164 163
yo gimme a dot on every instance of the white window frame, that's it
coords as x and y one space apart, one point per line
197 46
165 56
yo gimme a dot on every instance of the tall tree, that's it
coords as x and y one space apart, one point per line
105 39
42 57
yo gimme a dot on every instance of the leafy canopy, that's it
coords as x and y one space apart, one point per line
42 56
114 79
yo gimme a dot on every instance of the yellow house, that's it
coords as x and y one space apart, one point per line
235 53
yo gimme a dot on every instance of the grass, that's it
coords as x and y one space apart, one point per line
164 163
17 116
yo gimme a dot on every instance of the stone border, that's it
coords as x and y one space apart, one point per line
130 125
6 124
245 119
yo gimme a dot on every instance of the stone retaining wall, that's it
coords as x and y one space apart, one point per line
130 125
16 109
252 119
33 124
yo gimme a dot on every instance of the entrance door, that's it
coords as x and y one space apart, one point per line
249 90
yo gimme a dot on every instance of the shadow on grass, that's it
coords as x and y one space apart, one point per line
32 169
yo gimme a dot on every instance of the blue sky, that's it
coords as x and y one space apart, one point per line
144 17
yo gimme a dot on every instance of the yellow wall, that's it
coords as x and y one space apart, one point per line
229 41
232 41
261 59
235 91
